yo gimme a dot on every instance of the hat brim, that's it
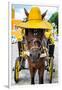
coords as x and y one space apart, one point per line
36 24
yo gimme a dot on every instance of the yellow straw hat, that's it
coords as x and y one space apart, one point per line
35 20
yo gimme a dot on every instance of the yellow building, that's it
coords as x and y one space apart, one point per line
17 32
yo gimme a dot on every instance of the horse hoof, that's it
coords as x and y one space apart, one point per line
32 83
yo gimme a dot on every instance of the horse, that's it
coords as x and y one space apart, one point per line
34 42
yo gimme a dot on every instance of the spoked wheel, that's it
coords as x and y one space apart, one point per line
50 69
17 68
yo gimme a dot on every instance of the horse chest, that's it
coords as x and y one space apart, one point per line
38 64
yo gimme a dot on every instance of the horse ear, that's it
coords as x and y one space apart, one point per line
26 12
43 15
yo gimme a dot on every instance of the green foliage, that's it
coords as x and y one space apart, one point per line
54 19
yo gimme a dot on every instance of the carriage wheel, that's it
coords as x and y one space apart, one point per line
16 72
51 69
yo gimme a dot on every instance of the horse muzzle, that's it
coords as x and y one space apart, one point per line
35 55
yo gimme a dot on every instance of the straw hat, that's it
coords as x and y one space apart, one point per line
35 20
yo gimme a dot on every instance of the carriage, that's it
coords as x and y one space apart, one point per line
34 47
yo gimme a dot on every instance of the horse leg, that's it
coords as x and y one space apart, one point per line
32 73
41 75
33 76
32 80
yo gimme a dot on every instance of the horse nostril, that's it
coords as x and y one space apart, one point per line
30 55
38 55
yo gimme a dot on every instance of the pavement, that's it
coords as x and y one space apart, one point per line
24 76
